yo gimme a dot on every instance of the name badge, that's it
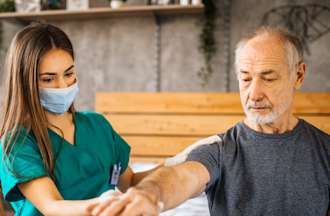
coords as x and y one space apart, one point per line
115 174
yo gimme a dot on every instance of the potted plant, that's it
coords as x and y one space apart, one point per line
207 40
7 6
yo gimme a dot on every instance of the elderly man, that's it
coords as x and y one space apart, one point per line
272 163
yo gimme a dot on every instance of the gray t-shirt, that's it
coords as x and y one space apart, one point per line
256 174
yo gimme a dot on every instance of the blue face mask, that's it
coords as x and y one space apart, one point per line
58 100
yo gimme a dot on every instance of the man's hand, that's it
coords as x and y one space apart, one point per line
134 202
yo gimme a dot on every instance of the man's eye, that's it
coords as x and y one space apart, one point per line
269 80
246 80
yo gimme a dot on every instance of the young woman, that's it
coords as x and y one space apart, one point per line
53 156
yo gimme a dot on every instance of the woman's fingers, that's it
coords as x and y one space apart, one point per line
140 206
103 204
116 207
133 203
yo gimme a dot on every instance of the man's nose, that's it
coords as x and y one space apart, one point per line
256 91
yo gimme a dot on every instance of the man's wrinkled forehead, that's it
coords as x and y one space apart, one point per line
262 51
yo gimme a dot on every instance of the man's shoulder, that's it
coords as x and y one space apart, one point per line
315 130
216 142
237 130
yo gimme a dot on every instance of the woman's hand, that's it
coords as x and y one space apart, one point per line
134 202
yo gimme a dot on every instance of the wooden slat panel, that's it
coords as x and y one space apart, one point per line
168 103
169 146
160 146
321 122
317 103
157 160
186 125
156 149
198 103
159 125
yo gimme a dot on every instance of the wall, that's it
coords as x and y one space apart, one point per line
119 54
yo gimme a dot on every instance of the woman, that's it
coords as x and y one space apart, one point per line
53 156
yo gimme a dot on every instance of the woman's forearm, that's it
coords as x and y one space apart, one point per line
69 207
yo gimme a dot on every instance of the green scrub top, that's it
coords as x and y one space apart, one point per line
82 170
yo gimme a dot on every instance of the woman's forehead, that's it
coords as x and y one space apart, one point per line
55 61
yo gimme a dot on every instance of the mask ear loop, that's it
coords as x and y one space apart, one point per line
75 81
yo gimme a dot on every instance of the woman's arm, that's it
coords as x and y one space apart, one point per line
44 195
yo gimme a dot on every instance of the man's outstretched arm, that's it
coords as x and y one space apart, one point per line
169 186
174 185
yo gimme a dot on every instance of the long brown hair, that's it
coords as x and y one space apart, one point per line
22 106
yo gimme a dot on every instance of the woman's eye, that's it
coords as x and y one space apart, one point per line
46 80
69 74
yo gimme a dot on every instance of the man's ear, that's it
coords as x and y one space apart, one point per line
300 75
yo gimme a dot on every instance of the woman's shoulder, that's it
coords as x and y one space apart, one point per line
22 136
24 143
89 114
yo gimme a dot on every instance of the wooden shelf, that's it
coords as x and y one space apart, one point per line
94 13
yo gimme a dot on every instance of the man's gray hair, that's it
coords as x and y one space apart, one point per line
292 45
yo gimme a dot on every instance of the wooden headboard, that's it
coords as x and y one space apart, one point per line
159 125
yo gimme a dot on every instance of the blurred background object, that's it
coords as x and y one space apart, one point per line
53 4
7 6
28 5
77 4
181 51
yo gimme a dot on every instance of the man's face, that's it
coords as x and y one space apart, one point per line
265 83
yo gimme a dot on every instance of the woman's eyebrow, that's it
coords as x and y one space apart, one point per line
69 68
54 73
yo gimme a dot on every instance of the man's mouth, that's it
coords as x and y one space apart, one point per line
259 109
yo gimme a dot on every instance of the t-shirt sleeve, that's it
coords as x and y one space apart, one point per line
23 165
209 156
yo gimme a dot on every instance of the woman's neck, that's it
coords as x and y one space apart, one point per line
59 121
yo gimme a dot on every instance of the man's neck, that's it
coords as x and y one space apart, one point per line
279 126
